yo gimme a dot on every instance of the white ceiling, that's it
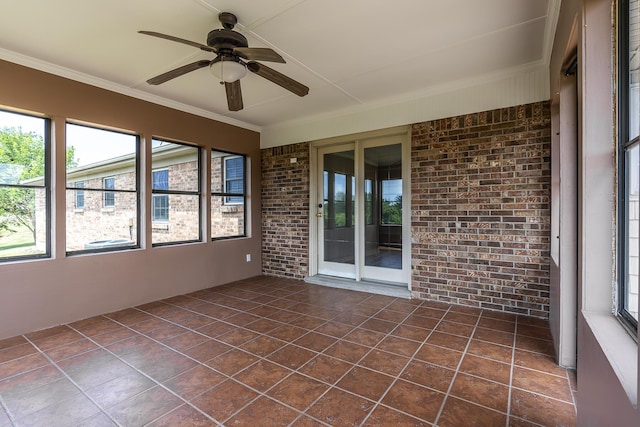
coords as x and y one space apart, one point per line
352 54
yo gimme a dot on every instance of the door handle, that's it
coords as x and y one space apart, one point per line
319 214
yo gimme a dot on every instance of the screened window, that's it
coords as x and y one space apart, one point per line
24 186
106 163
175 200
629 161
228 197
79 195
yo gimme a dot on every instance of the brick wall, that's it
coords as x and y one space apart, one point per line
285 211
480 209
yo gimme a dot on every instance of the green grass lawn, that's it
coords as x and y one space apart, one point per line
19 242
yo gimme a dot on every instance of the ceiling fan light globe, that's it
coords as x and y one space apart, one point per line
228 71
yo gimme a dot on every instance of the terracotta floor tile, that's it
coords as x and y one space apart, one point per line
465 318
542 383
185 415
347 351
287 333
411 333
264 412
304 421
207 350
30 380
144 407
539 362
68 412
391 315
216 328
350 319
453 342
493 336
398 345
4 418
454 328
481 391
16 352
292 356
542 333
364 337
232 361
73 349
378 325
13 341
541 410
263 325
95 326
94 368
49 332
325 368
432 312
113 336
262 375
496 324
263 345
33 400
388 363
338 408
535 345
334 329
428 375
308 322
416 400
457 413
118 389
365 382
194 382
21 365
184 341
315 341
297 391
489 350
486 368
439 356
224 400
384 417
66 337
237 337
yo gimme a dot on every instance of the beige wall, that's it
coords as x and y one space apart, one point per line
607 356
39 294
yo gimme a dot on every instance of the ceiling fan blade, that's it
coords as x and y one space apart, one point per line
165 77
234 96
278 78
179 40
259 54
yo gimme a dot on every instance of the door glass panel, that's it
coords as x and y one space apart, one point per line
338 207
383 206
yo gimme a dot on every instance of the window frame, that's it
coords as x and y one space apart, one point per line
113 191
46 186
223 194
168 192
625 144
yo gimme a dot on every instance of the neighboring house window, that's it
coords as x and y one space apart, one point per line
234 179
628 161
160 202
175 200
228 195
109 196
79 195
105 163
24 186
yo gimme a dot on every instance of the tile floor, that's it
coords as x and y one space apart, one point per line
278 352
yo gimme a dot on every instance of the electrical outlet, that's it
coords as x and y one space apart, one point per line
248 257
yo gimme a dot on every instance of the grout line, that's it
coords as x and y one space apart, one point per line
12 420
513 361
457 370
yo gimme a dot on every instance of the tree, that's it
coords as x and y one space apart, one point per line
22 158
392 211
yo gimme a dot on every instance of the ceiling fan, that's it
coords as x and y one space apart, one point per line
233 58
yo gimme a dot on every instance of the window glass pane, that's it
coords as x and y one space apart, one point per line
392 201
23 192
176 218
226 220
180 165
634 69
79 195
633 241
340 199
105 162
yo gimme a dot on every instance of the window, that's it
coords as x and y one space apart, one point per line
629 162
160 202
106 163
233 179
79 195
175 200
391 208
24 186
109 196
228 197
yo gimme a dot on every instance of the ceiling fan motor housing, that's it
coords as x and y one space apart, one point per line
223 39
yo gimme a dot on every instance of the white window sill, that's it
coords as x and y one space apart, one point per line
619 348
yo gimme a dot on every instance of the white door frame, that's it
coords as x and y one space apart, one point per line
402 134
